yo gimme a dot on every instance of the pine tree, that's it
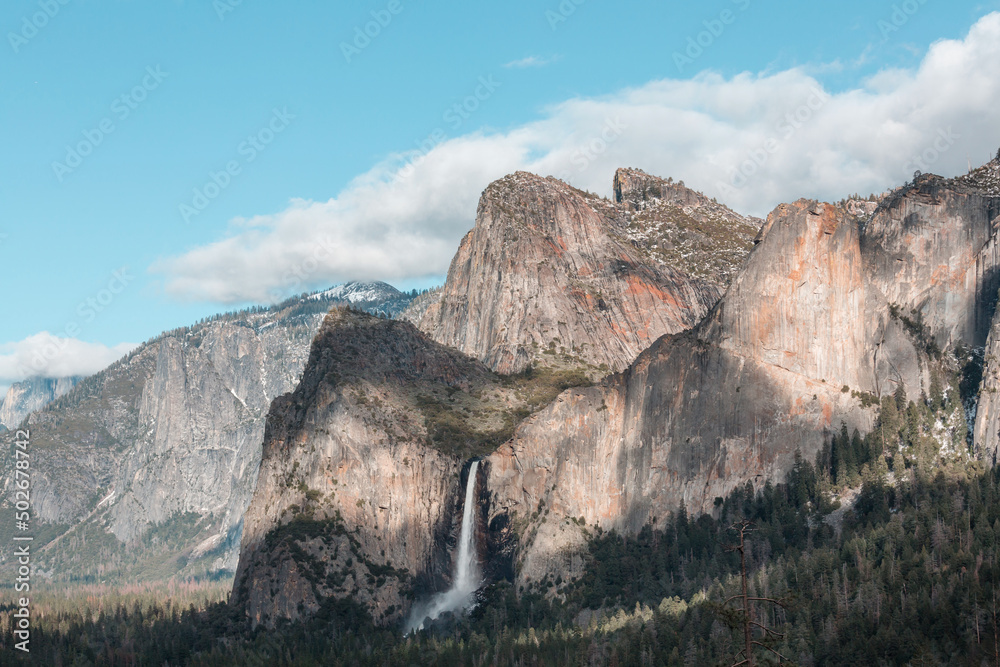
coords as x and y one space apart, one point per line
937 392
900 396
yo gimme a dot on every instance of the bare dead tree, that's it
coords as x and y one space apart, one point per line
744 618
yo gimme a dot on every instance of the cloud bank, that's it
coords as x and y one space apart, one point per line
46 355
752 141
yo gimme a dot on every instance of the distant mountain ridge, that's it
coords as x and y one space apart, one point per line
374 297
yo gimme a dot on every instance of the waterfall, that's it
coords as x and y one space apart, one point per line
466 577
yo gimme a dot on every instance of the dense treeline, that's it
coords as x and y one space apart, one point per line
907 576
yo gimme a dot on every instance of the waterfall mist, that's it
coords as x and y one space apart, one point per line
466 577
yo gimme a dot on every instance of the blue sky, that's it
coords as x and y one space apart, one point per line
324 185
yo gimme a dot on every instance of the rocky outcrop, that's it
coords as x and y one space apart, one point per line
681 228
30 395
549 270
358 490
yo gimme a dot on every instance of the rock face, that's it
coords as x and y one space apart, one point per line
987 425
146 468
823 313
701 412
550 269
681 228
931 250
985 182
30 395
358 490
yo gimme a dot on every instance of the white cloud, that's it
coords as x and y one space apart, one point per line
405 217
46 355
532 61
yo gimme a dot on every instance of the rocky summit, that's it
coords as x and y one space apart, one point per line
553 272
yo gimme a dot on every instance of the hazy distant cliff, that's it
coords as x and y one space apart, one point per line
32 394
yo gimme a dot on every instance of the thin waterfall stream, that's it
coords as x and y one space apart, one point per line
466 578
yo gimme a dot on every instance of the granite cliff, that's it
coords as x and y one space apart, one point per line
826 317
549 270
358 495
30 395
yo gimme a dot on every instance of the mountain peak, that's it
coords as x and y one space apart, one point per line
30 395
548 273
635 189
683 228
356 291
986 178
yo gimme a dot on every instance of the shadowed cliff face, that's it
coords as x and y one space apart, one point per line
985 183
358 490
931 249
550 268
